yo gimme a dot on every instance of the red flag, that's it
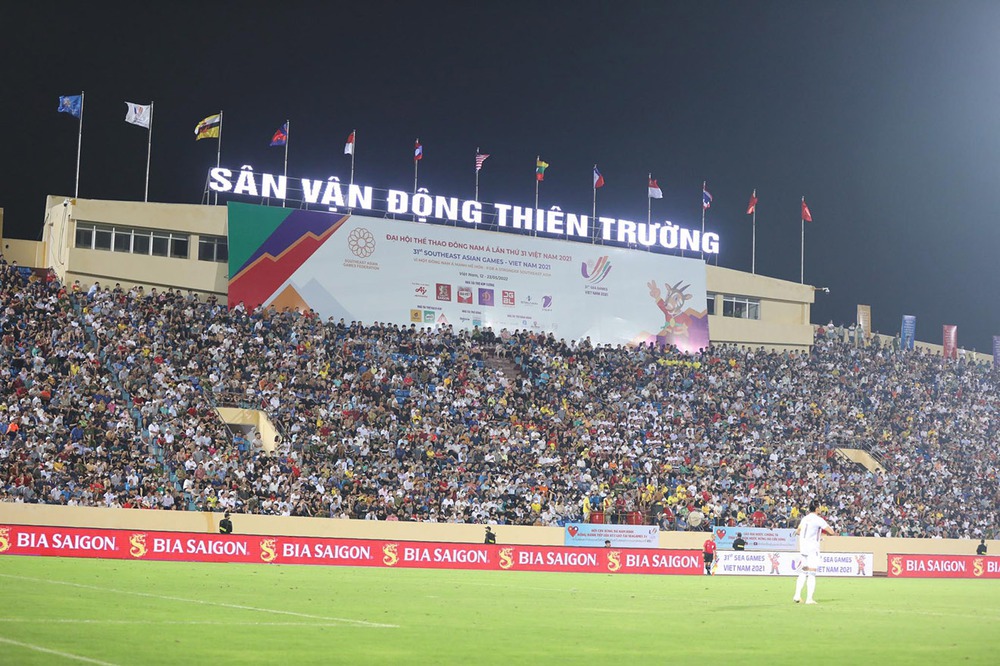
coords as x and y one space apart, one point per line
806 215
752 206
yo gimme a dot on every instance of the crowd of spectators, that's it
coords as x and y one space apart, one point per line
107 397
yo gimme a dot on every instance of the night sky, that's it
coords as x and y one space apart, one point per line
884 115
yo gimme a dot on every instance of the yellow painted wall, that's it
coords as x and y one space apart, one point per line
190 521
255 418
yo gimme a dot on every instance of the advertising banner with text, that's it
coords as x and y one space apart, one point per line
620 536
744 563
757 538
369 269
943 566
188 547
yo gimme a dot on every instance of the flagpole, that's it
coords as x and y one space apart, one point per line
288 138
593 215
354 145
649 202
753 256
218 154
416 166
538 158
477 175
149 151
79 144
704 184
802 251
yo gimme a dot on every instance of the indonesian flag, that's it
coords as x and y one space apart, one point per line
806 215
349 146
598 178
752 206
654 190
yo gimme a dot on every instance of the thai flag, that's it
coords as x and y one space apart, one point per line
598 178
706 198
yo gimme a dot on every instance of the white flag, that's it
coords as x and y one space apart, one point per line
139 114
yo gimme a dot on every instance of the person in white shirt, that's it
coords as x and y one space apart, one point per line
811 528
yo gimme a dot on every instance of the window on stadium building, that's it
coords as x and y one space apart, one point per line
740 307
213 248
92 236
710 303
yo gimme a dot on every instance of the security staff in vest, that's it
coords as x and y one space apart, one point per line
491 536
739 543
981 548
226 525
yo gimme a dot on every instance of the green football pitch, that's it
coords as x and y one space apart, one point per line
68 611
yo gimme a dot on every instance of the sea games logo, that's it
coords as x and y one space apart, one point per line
596 271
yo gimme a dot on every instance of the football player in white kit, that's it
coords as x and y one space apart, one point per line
811 528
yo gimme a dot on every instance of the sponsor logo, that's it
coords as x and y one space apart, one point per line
506 558
268 550
614 561
390 554
546 302
977 567
361 243
421 291
485 296
465 295
442 320
428 316
595 271
4 538
896 566
508 297
443 292
573 530
138 545
417 316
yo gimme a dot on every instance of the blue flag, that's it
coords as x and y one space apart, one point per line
72 104
280 137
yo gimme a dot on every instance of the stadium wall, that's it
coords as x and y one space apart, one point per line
205 523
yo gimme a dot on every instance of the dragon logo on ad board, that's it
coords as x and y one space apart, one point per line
614 561
896 566
361 242
138 543
506 558
977 567
268 550
4 538
390 554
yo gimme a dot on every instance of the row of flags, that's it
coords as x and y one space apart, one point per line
210 127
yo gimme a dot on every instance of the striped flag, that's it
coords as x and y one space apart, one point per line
706 197
540 168
752 206
598 178
418 151
654 190
208 128
349 146
280 137
480 158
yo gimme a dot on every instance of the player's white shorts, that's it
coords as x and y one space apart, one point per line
809 559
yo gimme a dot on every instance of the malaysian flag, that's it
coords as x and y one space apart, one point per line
480 158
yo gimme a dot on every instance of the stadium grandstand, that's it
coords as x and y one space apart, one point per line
111 394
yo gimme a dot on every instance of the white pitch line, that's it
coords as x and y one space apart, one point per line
35 620
359 623
58 653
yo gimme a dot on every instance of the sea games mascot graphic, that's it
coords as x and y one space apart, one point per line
675 321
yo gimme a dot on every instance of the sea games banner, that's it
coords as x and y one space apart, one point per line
188 547
372 269
943 566
757 538
743 563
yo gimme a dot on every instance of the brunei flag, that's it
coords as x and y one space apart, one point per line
208 128
540 168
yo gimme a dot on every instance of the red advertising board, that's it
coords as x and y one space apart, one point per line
943 566
189 547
